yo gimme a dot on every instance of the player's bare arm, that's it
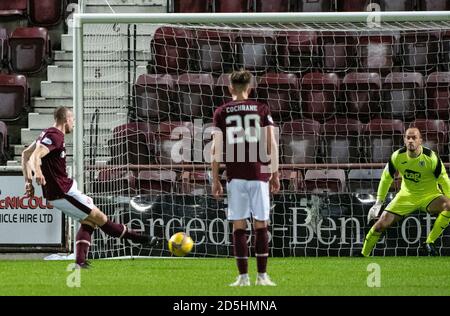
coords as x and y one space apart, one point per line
216 154
36 160
272 149
26 170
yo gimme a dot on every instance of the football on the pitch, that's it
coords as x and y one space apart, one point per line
180 244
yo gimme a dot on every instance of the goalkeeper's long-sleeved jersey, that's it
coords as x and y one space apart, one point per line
425 174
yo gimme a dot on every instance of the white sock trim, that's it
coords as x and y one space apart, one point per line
83 242
261 254
241 257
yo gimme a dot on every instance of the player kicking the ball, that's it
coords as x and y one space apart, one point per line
46 158
245 123
425 186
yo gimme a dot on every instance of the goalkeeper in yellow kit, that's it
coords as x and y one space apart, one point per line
425 187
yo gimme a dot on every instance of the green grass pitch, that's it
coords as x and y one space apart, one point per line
205 277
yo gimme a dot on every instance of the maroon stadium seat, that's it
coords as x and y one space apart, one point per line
434 134
14 96
196 183
364 180
376 53
320 92
326 180
255 51
291 181
3 142
444 61
132 143
337 50
29 49
229 6
170 135
272 5
3 46
433 5
396 5
342 140
215 50
13 7
172 49
280 92
438 95
153 94
314 5
203 135
115 181
352 6
419 51
402 95
383 136
192 6
297 51
156 181
195 95
223 94
45 12
300 141
362 94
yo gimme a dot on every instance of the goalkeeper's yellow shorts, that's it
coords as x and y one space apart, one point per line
405 204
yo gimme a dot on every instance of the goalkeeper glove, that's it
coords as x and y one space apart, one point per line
374 210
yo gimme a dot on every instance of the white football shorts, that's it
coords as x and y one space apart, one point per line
248 198
75 204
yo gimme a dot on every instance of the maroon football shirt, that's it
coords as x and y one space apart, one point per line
241 122
54 164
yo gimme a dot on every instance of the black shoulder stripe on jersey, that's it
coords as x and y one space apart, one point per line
392 169
438 170
402 150
427 151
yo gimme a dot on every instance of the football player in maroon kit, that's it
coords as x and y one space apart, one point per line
246 129
46 158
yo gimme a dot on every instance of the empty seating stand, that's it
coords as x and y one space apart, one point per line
291 181
3 47
46 12
433 5
229 6
438 95
383 137
352 6
3 142
327 180
300 141
157 181
396 5
153 95
419 51
195 96
434 135
273 5
255 51
376 53
13 8
280 92
314 5
174 134
342 140
338 51
364 181
403 95
29 49
191 6
297 51
14 96
320 93
215 50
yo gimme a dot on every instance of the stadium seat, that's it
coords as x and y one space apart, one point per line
3 47
342 140
433 5
45 12
203 135
434 134
444 58
297 51
402 95
320 92
132 144
196 183
3 142
171 49
383 136
438 95
255 51
300 141
396 5
230 6
272 5
223 94
13 8
192 6
376 53
280 92
153 96
171 134
216 51
14 96
291 181
195 96
157 181
364 180
337 50
362 94
326 180
29 49
314 5
115 181
419 51
351 6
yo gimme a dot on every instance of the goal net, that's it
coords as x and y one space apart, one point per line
341 92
